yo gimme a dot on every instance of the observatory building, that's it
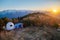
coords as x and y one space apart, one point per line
19 25
10 26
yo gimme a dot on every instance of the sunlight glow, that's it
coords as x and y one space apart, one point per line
54 10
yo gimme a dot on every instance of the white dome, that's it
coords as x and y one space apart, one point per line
9 26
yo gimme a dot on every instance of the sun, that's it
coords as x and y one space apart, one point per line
54 10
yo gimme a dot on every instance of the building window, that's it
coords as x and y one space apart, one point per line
19 25
10 25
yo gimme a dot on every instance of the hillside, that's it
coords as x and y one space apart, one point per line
31 33
39 19
38 26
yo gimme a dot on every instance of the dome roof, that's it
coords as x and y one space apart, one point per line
10 26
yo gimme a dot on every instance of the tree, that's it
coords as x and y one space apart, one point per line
1 24
55 25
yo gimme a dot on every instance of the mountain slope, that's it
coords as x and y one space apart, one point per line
39 19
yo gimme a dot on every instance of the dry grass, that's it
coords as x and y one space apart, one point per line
30 33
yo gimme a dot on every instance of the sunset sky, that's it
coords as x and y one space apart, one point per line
29 4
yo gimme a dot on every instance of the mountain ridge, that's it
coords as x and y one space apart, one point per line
14 13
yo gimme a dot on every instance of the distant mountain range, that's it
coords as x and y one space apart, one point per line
14 13
21 13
